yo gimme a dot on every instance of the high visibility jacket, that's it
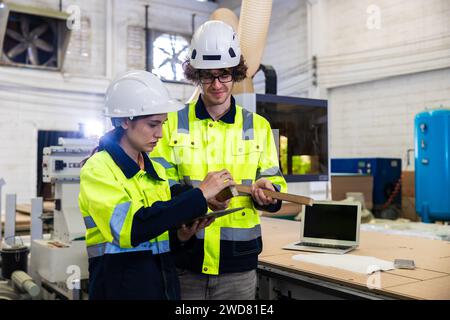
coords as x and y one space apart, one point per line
242 142
127 212
108 201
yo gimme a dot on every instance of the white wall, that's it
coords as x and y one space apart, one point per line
379 79
32 100
286 49
376 119
375 80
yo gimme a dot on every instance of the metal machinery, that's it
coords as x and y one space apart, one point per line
300 128
61 264
432 165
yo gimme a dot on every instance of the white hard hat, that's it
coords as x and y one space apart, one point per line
138 93
214 46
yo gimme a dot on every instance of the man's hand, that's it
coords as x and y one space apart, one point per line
258 194
215 182
216 205
186 232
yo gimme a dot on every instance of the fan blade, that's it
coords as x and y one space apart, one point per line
33 54
24 26
41 44
37 32
18 49
51 62
14 35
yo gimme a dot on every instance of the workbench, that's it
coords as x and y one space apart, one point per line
280 277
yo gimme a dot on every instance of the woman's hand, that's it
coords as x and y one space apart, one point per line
216 205
258 194
186 232
215 182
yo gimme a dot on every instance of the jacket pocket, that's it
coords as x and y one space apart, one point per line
241 248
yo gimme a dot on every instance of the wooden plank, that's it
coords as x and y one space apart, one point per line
278 195
25 208
240 189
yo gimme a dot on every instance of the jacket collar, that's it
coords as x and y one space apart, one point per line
202 114
110 143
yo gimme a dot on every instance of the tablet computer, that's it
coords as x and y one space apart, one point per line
215 214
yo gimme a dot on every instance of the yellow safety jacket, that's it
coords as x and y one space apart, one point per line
108 201
242 142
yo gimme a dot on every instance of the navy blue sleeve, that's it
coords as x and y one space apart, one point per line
270 207
150 222
177 189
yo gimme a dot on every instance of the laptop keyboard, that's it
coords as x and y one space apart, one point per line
320 245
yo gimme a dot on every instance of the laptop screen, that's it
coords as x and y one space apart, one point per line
331 221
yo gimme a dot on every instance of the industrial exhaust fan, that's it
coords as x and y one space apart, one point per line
32 37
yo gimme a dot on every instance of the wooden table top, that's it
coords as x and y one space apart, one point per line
430 279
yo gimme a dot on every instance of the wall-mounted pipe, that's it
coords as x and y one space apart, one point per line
4 13
148 49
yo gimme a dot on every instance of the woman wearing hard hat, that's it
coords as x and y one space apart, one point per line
132 212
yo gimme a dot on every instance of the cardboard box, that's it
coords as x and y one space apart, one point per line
408 184
408 197
341 184
409 209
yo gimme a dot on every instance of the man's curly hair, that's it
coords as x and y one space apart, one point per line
238 72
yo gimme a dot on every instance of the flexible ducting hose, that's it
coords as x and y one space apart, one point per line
253 27
227 16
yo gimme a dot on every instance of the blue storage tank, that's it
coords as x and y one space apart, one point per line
432 164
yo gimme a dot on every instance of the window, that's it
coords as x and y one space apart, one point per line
169 52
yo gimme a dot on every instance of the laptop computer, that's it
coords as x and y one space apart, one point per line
329 227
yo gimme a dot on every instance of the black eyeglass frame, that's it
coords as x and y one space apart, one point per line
211 78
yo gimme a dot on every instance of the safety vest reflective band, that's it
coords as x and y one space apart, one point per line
235 234
108 201
190 148
157 247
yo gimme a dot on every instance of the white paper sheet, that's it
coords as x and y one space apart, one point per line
354 263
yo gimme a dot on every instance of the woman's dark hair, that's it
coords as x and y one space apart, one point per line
238 72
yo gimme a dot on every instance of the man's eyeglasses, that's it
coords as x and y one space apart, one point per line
209 78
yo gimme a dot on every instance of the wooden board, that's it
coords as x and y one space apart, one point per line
341 276
25 208
418 274
433 289
23 222
242 189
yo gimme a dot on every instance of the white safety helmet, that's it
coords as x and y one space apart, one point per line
138 93
214 45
